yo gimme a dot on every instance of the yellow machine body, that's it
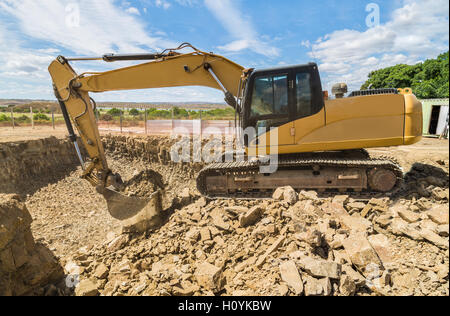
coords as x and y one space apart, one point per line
351 123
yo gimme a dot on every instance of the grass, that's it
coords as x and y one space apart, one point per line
131 117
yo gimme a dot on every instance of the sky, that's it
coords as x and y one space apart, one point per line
347 39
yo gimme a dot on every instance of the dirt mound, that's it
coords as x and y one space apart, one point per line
144 184
25 266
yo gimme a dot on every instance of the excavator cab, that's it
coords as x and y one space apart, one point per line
275 97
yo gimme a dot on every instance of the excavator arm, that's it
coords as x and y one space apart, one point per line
167 69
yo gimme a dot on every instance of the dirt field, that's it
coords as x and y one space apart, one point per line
9 134
204 248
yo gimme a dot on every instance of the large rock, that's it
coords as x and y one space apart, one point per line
86 288
439 214
382 247
286 194
321 268
409 216
317 287
434 238
355 223
25 266
312 237
289 274
210 277
251 216
361 252
101 272
399 227
118 243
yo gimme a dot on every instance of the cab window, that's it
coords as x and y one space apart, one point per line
304 96
270 96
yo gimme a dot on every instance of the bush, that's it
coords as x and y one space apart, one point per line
177 112
134 112
40 117
4 118
23 119
114 112
106 117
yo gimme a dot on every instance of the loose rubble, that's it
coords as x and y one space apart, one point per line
297 243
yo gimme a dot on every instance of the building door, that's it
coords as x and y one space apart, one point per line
434 120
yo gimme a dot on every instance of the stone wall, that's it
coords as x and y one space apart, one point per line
23 161
151 148
25 266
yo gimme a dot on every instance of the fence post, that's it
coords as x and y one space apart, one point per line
171 132
12 117
32 119
121 113
145 120
53 119
201 126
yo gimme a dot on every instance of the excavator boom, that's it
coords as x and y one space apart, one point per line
167 69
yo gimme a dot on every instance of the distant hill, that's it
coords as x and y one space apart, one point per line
38 104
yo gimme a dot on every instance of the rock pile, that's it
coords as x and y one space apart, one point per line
297 243
294 244
25 266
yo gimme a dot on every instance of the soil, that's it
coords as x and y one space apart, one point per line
71 219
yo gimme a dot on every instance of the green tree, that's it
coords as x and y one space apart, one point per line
134 112
114 112
429 79
40 117
180 113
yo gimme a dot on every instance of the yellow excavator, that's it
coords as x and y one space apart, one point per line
318 141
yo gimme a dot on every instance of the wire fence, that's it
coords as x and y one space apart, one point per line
171 127
141 125
30 118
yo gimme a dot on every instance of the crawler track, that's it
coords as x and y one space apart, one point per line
346 172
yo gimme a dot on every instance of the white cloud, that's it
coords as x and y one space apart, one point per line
102 26
162 4
306 44
239 28
416 31
187 3
133 10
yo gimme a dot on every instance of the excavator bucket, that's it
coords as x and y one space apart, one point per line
137 213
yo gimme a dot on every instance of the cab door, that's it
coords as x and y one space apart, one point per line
309 107
269 106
